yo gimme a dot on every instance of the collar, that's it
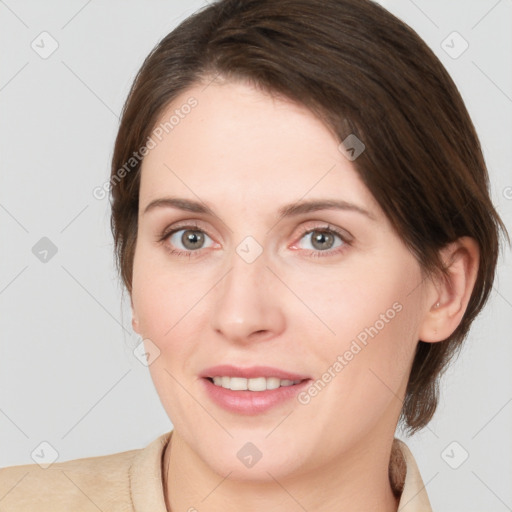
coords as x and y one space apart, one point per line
406 480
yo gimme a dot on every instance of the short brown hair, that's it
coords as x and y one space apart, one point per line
363 72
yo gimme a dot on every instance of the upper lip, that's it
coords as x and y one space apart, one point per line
227 370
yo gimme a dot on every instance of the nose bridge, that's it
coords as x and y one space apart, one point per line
244 302
244 277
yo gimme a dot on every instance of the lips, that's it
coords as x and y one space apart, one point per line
251 391
252 372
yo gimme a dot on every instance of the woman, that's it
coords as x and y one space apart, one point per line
302 220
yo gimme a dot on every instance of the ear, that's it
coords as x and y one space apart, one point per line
135 319
449 295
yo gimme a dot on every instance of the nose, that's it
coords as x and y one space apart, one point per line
247 305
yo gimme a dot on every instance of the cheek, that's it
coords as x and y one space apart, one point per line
373 320
172 307
362 371
169 307
162 297
368 298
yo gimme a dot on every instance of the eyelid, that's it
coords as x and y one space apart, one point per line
186 224
323 226
174 231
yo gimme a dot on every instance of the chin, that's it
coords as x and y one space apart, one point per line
269 468
248 456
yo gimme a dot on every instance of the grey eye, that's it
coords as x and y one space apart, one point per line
322 240
190 239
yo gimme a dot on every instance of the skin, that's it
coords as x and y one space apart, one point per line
246 154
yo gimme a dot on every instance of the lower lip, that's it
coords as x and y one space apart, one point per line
252 402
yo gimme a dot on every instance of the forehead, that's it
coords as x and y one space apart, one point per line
240 144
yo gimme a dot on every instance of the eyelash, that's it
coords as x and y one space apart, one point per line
163 237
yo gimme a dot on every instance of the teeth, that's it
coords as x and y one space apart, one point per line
256 384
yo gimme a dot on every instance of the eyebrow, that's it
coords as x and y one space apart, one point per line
288 210
314 205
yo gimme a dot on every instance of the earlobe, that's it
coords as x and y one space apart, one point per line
135 324
135 320
452 291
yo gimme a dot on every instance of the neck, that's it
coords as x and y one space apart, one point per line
360 481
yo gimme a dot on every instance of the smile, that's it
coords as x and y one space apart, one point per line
254 384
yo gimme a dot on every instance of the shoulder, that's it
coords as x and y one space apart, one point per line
82 484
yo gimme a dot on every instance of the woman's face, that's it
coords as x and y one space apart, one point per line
258 281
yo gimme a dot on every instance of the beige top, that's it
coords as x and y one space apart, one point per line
131 481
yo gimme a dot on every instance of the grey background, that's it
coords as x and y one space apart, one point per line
68 375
